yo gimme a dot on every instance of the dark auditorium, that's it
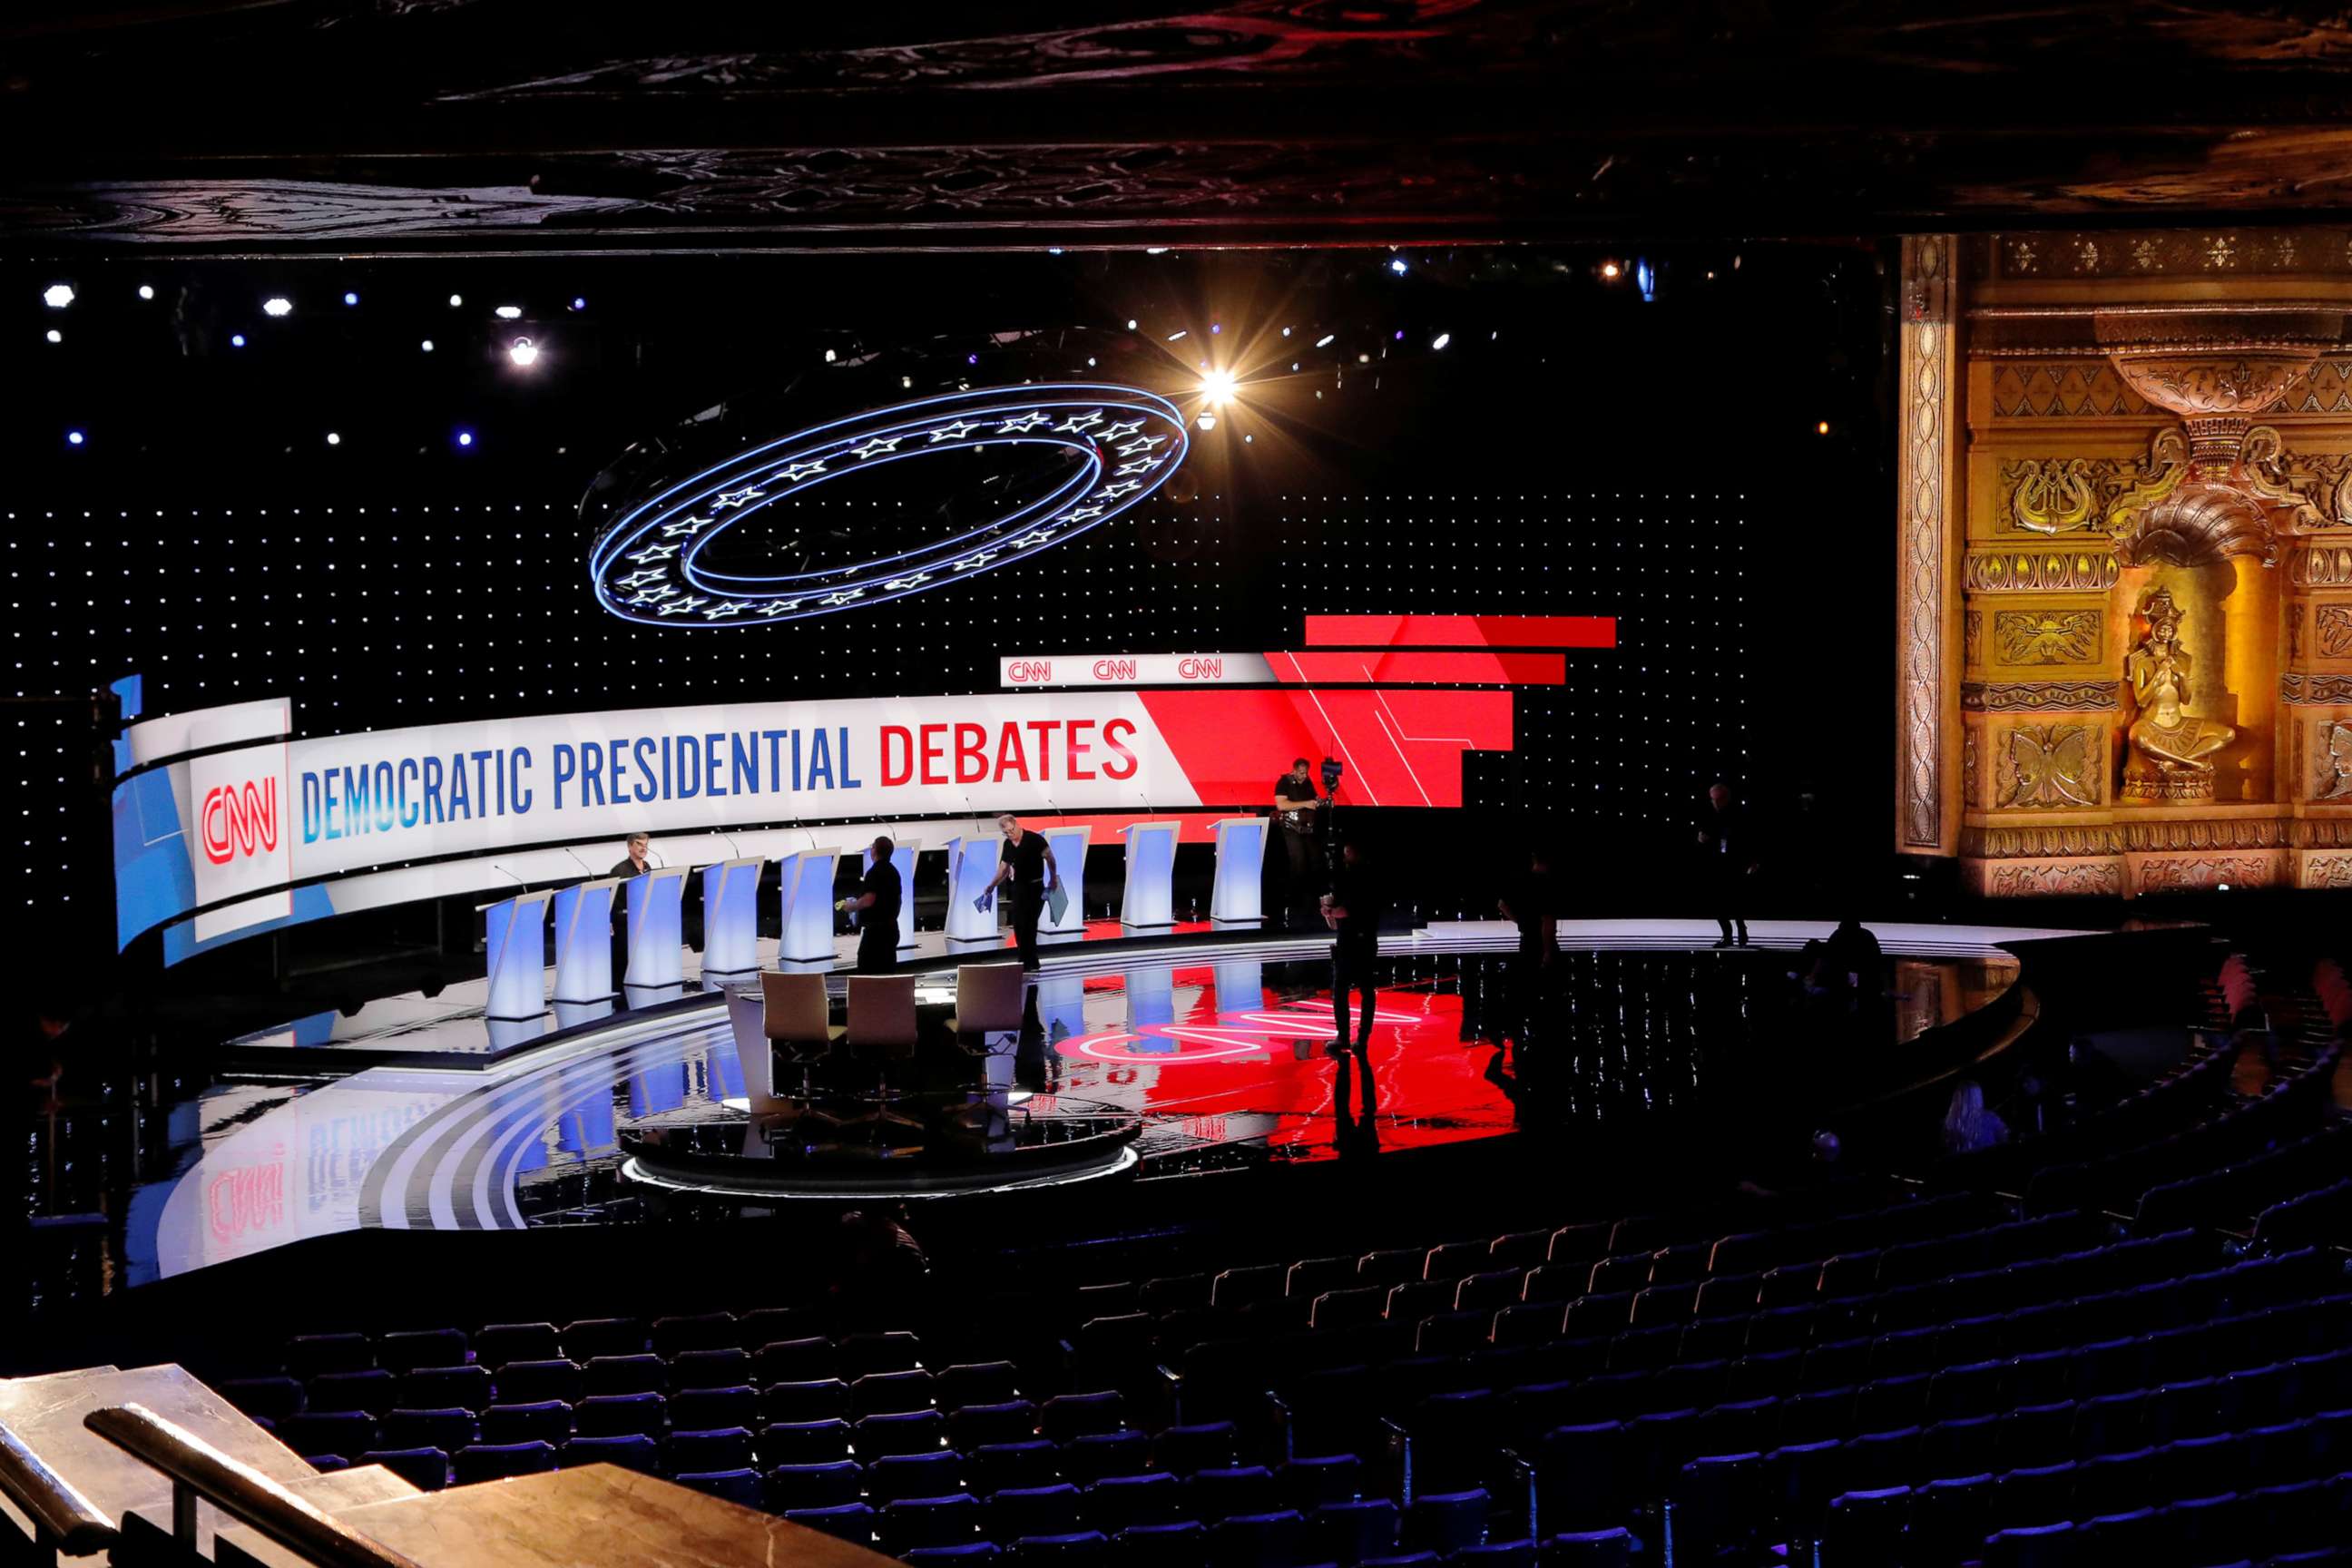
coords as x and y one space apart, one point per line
1268 783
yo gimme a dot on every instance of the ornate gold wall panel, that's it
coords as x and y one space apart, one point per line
1927 599
2037 696
2052 570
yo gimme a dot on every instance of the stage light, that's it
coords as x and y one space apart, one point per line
278 305
465 437
1155 250
146 290
57 296
1215 328
579 301
455 301
350 297
1396 264
1610 269
237 340
73 438
427 345
1326 339
1286 332
829 356
1178 333
1130 323
1822 428
508 312
523 351
1441 340
1217 386
333 439
54 335
1206 420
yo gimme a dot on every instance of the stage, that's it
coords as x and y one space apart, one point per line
1199 1051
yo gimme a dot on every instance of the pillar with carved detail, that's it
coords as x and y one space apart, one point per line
1927 807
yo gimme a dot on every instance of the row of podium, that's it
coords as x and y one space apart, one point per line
515 930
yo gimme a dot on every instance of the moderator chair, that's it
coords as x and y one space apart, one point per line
988 1000
794 1015
882 1030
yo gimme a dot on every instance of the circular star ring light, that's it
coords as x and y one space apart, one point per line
656 564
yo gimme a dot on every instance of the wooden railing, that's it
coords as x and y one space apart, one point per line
198 1470
61 1516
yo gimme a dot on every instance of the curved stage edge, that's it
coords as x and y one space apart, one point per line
444 1150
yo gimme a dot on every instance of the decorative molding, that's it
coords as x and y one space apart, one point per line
2321 564
2207 833
2326 871
2331 627
2046 637
2038 696
2069 388
2059 495
2177 253
2056 766
2022 571
2180 876
2091 880
1928 413
2323 832
2033 842
2036 841
1972 637
2321 691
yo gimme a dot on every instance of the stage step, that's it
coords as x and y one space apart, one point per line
602 1514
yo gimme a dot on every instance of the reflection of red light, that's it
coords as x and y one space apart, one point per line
1220 1036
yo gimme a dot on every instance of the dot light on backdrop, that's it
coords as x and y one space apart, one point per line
650 567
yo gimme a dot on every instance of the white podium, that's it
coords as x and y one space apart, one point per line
806 931
514 934
656 931
1148 901
730 919
902 855
584 944
1234 898
972 862
1069 846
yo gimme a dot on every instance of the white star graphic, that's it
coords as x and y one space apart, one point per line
846 597
971 563
652 595
955 432
1121 430
1038 537
1079 514
688 526
639 579
730 607
1120 488
680 607
917 581
1081 421
792 473
747 494
1141 443
655 552
778 607
1020 423
1142 465
877 444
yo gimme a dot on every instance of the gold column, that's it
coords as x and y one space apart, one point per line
1927 717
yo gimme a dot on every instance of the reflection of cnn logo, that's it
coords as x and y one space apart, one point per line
238 819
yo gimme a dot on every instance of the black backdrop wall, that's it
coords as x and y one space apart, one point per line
319 505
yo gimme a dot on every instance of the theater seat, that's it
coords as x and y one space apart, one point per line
426 1470
498 1461
633 1451
741 1486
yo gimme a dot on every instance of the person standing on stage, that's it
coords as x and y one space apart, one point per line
875 908
1533 907
1352 909
637 860
1295 808
1727 842
1027 862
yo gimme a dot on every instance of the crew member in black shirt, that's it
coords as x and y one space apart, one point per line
877 910
1727 844
637 862
1027 862
1352 909
1295 810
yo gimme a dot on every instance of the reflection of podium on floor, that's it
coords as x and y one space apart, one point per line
1149 901
514 938
657 968
805 887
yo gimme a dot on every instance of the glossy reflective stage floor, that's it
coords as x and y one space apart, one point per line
1216 1059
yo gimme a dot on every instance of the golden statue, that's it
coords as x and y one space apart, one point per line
2170 746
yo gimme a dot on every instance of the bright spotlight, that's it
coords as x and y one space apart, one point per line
1286 332
54 335
146 290
57 296
73 438
1130 323
579 301
237 340
1217 386
1325 341
427 345
455 301
1206 420
1396 264
278 305
1610 269
1178 333
350 297
465 437
1441 340
523 352
1822 428
508 312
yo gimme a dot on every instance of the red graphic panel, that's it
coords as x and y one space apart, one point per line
1401 747
1462 631
1456 668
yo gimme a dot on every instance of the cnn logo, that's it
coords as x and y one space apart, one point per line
1030 669
1201 670
1114 669
239 819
